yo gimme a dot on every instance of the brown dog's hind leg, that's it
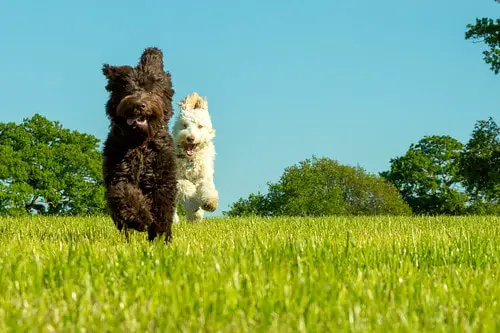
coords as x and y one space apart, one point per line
163 209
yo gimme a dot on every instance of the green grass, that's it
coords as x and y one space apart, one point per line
252 275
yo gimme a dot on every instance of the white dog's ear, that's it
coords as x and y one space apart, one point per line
198 102
204 103
193 101
182 103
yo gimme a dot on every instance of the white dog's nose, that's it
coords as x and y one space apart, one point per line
190 138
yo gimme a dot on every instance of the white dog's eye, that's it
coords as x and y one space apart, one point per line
185 125
200 126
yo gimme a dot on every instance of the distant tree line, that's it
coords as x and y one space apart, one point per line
46 169
437 175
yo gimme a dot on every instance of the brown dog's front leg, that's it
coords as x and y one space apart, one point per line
129 206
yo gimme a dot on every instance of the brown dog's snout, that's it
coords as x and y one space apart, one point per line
132 105
139 106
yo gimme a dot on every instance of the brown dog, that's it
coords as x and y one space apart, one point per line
138 166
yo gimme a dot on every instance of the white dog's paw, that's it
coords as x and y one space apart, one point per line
210 205
209 197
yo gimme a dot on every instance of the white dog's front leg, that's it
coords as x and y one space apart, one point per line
185 190
188 196
176 216
193 211
208 195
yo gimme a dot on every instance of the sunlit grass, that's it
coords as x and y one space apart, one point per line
360 274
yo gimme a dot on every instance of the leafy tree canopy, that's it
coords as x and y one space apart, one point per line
322 187
487 30
428 176
45 169
480 166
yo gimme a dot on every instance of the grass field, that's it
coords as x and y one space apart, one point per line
252 275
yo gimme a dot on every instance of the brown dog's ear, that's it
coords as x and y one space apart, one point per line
107 70
112 72
115 75
152 57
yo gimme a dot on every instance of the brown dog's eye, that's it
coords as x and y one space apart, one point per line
200 126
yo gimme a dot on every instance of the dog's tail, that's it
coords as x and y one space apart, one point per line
193 101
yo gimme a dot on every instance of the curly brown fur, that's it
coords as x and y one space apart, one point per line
138 164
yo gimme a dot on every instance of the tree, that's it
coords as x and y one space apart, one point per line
322 187
255 204
428 177
45 169
480 166
487 30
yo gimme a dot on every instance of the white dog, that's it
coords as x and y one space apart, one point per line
195 155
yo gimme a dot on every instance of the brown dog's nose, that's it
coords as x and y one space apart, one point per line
190 138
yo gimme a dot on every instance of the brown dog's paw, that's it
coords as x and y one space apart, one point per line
210 205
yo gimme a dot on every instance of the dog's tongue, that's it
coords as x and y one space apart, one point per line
132 121
189 148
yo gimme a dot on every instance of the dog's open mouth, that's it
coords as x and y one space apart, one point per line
137 121
189 148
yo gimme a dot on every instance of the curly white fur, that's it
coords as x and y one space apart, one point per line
193 133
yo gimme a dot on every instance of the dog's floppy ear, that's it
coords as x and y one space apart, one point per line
116 75
152 57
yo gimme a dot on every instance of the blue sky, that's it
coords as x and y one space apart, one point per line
357 81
